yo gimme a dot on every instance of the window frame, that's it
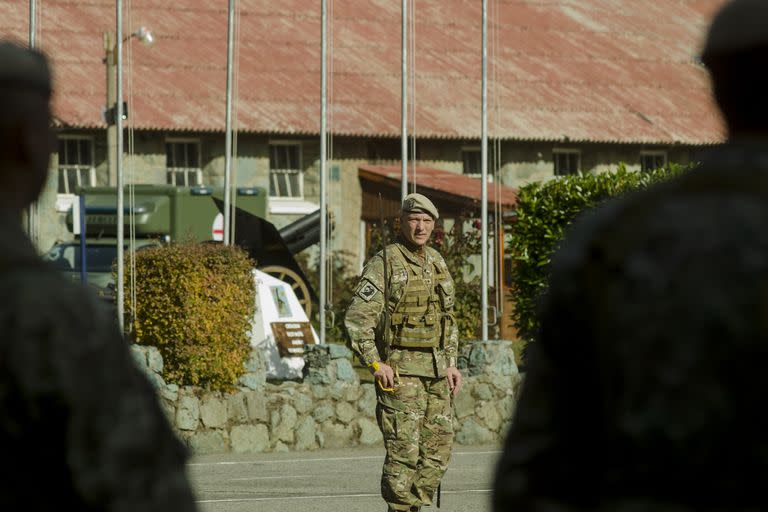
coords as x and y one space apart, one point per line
299 171
172 171
566 151
91 169
654 153
471 149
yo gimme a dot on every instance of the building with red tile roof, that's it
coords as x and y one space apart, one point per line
573 87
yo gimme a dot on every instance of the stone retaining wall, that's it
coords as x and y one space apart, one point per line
331 408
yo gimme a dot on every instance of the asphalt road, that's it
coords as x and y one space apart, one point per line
328 481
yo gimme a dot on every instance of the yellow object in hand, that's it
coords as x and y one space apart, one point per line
376 366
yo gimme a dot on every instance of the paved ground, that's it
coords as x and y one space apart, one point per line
328 481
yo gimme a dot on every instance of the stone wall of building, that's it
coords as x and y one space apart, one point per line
330 408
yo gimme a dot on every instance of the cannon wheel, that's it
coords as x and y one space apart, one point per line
298 285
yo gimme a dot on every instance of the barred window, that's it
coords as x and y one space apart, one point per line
566 161
76 167
286 179
652 160
182 163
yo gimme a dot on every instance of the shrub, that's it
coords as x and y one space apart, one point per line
194 302
544 210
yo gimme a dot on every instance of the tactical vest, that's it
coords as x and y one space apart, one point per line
422 314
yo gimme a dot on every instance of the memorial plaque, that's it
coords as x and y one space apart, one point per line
292 337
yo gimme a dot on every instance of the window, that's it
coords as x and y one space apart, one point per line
651 160
75 164
472 160
567 161
182 162
286 180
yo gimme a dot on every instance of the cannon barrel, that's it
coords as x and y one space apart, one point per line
302 233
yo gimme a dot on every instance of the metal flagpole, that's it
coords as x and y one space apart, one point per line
404 105
484 178
119 165
32 22
323 163
228 125
32 208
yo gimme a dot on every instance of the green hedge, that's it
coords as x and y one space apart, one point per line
543 212
195 303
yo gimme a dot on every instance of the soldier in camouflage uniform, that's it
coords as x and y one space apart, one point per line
411 351
78 418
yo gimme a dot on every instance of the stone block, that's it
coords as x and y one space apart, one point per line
319 391
204 442
369 432
503 385
303 403
489 415
252 381
482 391
237 412
170 392
306 434
345 413
337 351
249 438
353 393
139 355
169 409
464 404
492 357
507 407
323 412
367 402
157 381
336 435
188 413
256 403
470 432
213 412
337 390
344 371
285 429
154 360
281 447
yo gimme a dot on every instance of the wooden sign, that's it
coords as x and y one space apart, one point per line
292 337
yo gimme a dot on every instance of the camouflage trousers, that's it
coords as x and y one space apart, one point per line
416 420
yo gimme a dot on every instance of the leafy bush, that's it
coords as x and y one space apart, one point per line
544 210
194 302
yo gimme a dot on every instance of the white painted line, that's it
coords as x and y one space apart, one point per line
269 478
327 459
327 496
234 463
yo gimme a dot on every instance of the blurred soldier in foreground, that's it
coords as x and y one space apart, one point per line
80 427
411 349
646 387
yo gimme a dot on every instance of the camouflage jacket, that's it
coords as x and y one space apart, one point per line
77 414
364 318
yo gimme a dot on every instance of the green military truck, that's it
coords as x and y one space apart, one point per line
166 213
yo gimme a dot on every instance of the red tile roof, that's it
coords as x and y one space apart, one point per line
437 180
592 70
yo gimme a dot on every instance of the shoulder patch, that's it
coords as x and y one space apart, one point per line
366 290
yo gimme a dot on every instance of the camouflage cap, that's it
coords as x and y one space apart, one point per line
23 68
740 25
419 203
